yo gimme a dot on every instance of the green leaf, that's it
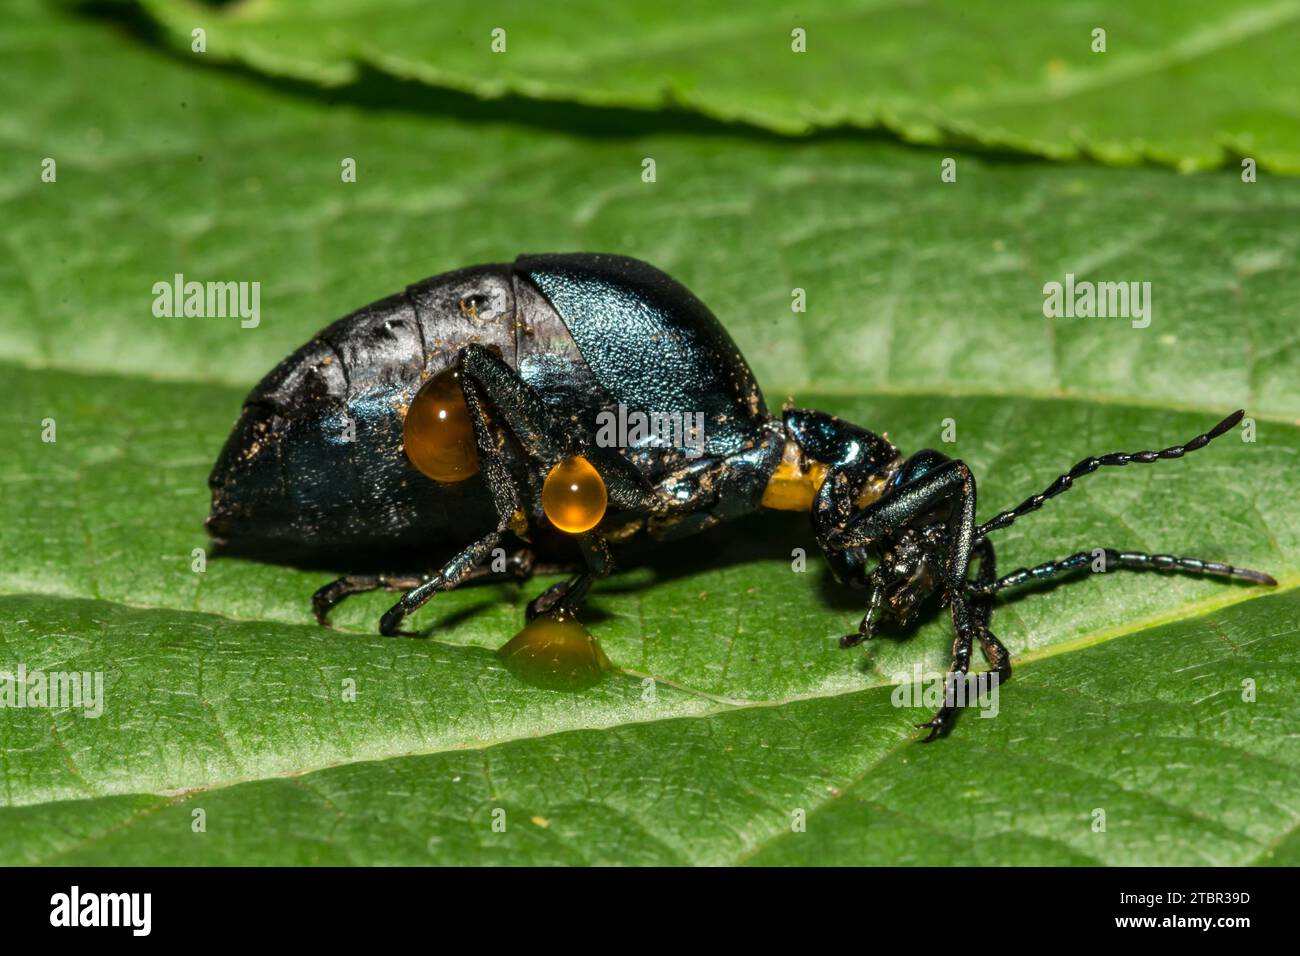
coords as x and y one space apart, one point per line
1149 728
912 284
1193 84
222 695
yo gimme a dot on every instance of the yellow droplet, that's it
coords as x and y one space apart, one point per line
437 433
557 653
574 496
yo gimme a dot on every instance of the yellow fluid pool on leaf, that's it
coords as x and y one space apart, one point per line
557 653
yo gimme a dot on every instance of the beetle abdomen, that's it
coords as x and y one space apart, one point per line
315 464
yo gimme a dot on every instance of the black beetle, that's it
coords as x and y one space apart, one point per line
512 373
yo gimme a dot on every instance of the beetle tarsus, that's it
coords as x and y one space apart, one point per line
328 597
392 620
938 725
545 602
567 597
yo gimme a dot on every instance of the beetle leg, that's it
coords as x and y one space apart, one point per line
875 607
451 574
547 441
831 512
568 596
994 652
941 722
937 484
324 600
544 438
948 483
505 499
980 611
487 379
520 566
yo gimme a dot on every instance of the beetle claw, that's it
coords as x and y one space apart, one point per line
549 600
938 725
321 612
392 620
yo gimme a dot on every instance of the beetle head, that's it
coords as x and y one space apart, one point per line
905 567
908 571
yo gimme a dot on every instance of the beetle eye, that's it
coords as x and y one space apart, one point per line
437 433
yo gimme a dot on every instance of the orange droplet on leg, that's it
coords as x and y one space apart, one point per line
437 433
574 496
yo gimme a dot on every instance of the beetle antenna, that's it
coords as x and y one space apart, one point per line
1083 560
1089 465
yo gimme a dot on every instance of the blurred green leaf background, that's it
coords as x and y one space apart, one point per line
774 170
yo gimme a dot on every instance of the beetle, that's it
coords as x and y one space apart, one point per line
469 409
